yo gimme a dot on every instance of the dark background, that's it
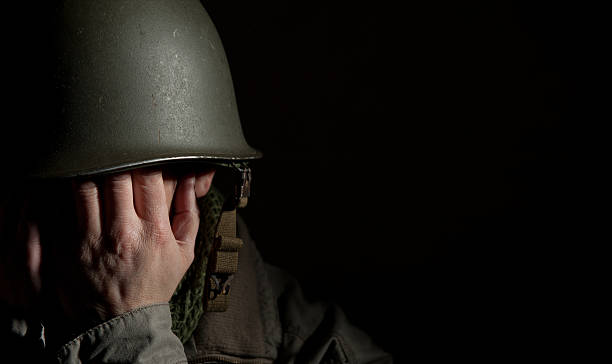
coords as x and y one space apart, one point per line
422 164
426 166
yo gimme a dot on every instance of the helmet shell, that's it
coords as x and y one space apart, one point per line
137 82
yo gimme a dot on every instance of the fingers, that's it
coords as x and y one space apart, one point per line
87 204
186 214
142 194
150 195
119 199
203 182
170 183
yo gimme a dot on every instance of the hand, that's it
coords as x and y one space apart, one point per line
127 253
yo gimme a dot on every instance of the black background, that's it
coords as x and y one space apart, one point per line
427 166
423 164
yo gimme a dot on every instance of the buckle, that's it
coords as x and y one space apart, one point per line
243 188
220 285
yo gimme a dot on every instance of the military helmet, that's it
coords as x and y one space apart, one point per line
136 83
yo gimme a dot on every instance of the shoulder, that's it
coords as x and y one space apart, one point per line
304 329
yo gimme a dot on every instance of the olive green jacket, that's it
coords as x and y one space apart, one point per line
268 321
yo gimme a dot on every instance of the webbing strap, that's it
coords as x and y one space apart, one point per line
223 263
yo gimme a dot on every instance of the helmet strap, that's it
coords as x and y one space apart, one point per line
222 264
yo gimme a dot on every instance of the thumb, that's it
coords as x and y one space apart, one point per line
33 254
29 235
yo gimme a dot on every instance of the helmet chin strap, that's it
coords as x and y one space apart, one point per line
222 264
223 261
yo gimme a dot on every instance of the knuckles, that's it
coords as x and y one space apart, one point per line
124 239
86 190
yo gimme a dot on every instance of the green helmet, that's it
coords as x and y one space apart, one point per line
136 83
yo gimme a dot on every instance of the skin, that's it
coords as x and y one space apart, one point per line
132 241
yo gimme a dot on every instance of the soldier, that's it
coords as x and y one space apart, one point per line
122 242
